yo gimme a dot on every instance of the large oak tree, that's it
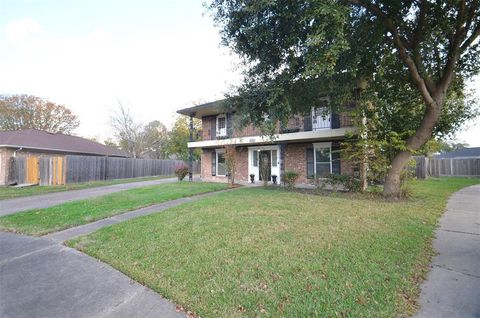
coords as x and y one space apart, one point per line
296 51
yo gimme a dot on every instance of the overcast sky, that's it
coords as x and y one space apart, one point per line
156 56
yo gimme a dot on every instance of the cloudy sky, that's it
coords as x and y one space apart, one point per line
154 55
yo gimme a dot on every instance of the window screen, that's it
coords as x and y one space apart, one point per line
323 161
221 171
255 158
274 158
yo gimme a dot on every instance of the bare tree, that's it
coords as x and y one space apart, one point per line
231 162
128 131
31 112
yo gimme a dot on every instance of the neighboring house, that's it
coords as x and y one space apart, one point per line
34 143
462 153
308 145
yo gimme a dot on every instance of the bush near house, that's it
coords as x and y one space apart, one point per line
290 178
181 172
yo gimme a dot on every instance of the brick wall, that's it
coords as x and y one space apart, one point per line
296 160
241 169
5 155
207 127
296 123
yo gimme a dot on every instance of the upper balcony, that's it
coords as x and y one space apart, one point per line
220 127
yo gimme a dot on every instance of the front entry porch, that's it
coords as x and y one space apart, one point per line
264 157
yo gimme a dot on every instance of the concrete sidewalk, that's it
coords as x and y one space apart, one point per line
41 201
40 278
452 288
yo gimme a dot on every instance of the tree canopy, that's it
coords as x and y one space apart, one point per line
410 59
179 137
31 112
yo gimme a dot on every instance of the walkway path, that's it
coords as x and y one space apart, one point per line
12 206
452 288
40 277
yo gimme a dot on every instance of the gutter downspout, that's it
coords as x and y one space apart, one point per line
15 152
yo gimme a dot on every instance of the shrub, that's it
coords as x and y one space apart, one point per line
290 179
406 176
319 183
181 172
347 182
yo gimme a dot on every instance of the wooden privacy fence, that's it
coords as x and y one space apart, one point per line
55 170
436 167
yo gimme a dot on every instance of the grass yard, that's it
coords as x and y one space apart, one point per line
56 218
10 192
269 253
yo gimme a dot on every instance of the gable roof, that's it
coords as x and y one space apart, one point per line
55 142
473 152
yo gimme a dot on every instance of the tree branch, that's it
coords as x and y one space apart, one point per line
402 51
417 34
454 50
469 41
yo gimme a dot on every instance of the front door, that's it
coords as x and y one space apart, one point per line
271 154
265 165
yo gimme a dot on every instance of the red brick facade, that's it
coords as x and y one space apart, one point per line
241 158
296 123
295 160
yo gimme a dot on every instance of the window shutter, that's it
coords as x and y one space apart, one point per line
307 123
335 120
336 169
229 124
213 129
310 163
214 163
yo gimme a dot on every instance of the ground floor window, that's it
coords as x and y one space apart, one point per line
323 159
326 159
221 168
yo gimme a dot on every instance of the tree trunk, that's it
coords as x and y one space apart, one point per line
392 181
423 134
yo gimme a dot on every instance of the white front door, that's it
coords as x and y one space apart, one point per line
271 155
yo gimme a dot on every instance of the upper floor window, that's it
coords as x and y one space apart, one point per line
221 125
321 118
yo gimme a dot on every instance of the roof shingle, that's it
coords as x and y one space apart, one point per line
42 140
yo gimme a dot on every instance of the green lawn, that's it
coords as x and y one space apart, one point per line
10 192
267 253
56 218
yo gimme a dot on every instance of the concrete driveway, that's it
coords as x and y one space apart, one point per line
12 206
452 288
41 278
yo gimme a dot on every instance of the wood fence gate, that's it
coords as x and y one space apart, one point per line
32 170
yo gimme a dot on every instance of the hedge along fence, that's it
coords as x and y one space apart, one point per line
436 167
73 169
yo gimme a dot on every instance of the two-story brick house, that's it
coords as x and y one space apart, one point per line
308 145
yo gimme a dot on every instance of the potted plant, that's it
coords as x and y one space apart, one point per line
252 178
274 179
